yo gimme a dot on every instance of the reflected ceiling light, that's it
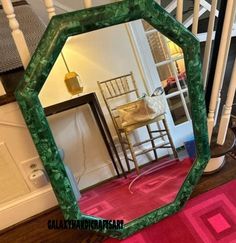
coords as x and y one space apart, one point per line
72 80
175 51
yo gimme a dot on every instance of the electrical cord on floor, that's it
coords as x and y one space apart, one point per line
80 134
149 171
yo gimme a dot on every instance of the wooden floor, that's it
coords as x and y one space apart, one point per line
36 230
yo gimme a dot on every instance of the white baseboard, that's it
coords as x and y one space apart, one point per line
26 206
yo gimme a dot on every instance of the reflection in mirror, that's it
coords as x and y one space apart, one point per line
156 163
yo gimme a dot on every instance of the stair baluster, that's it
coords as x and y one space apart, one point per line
179 14
88 3
17 34
195 16
225 117
50 8
219 74
207 51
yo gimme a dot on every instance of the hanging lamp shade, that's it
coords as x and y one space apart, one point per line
73 83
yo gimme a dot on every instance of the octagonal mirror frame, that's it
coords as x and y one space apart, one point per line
59 29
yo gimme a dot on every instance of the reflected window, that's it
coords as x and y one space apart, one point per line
169 62
177 109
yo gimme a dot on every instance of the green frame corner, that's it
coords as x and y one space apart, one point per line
59 29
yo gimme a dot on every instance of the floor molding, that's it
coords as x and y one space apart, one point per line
26 206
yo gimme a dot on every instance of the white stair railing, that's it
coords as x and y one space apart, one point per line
189 20
208 6
50 8
204 6
229 30
179 12
208 45
221 62
195 17
171 6
225 117
200 7
63 7
17 34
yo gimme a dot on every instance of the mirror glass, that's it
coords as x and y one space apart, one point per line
156 64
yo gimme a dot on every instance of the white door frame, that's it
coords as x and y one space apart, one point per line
181 132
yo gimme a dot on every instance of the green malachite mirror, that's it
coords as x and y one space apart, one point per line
67 25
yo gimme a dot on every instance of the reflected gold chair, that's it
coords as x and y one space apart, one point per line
122 90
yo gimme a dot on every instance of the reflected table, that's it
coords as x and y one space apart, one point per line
92 101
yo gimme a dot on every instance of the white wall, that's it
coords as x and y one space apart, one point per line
18 199
95 56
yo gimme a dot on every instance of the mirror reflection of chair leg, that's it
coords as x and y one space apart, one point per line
152 141
124 151
170 139
132 152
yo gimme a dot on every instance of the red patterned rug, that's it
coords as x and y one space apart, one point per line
208 218
114 200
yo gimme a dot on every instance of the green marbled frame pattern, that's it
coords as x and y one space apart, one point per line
50 46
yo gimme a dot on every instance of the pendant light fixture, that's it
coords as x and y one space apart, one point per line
72 80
